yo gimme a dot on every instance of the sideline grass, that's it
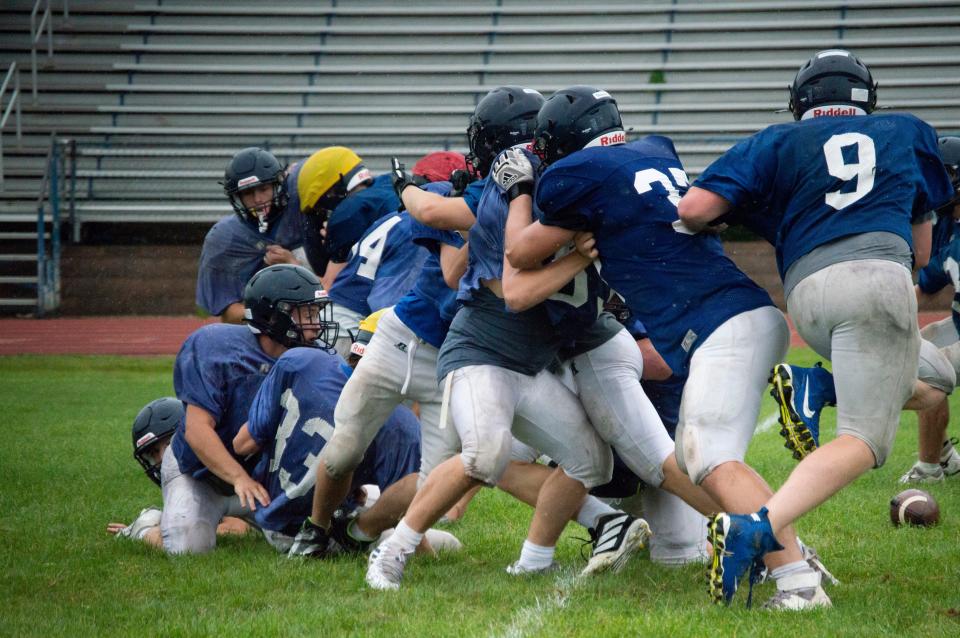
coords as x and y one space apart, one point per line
66 470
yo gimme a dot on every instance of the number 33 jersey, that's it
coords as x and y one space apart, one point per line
681 286
831 177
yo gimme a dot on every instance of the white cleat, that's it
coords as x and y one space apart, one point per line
617 537
385 567
917 474
517 569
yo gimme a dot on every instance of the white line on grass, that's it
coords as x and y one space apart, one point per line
766 424
529 620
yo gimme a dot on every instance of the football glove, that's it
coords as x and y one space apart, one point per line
513 172
401 178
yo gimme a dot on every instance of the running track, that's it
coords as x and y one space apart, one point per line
138 335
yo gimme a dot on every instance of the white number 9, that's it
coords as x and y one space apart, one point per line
863 169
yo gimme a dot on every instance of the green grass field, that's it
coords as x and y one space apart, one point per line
66 470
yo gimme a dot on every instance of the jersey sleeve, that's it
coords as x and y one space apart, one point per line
471 195
743 174
266 410
933 277
199 380
935 188
561 197
432 238
217 289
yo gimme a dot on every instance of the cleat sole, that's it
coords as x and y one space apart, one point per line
797 436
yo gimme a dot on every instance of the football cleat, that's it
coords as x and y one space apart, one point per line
950 458
340 534
516 569
804 593
616 538
149 517
801 393
739 543
311 541
385 567
918 474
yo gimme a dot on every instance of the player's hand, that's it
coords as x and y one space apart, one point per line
116 528
251 493
512 168
586 245
277 254
460 179
401 178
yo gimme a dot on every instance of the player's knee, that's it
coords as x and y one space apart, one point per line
488 459
341 455
522 453
936 369
594 468
691 454
189 538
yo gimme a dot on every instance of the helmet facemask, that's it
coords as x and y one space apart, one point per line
260 214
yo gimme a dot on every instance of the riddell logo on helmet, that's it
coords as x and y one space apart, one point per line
614 138
836 110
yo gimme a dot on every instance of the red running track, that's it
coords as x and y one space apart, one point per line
141 335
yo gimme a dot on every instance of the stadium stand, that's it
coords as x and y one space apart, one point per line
155 96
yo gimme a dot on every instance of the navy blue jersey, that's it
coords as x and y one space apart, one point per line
383 266
944 266
831 177
219 368
291 419
681 286
429 307
357 213
234 250
485 259
472 193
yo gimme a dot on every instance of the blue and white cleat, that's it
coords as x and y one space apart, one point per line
739 543
801 393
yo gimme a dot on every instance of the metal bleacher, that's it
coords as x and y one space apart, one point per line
157 95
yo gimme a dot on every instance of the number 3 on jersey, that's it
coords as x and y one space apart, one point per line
371 248
643 183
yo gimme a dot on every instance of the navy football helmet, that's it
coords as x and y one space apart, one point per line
249 169
834 77
574 117
506 116
950 154
155 423
283 301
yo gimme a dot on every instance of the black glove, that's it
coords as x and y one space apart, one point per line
460 179
401 178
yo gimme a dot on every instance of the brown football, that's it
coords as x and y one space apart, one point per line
914 507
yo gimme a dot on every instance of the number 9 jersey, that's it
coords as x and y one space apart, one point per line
831 177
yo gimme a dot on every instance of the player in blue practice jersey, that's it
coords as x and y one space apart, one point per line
938 458
701 312
383 266
291 419
265 230
852 194
216 374
152 430
493 363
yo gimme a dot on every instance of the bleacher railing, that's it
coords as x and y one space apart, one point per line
13 75
48 262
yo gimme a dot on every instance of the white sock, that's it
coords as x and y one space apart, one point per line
785 574
354 531
591 511
534 556
405 537
929 468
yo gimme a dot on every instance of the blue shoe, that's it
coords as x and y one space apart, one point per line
801 394
739 543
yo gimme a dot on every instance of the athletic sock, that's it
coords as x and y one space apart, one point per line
929 468
535 557
405 537
354 532
786 575
591 511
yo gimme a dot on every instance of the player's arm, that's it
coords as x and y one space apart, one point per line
437 211
699 207
527 243
453 263
232 313
202 437
922 243
654 367
243 443
523 289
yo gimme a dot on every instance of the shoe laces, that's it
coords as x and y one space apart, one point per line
390 563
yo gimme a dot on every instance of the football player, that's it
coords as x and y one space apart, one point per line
852 193
493 363
265 230
702 313
153 427
216 374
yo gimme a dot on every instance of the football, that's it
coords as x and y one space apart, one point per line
914 507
